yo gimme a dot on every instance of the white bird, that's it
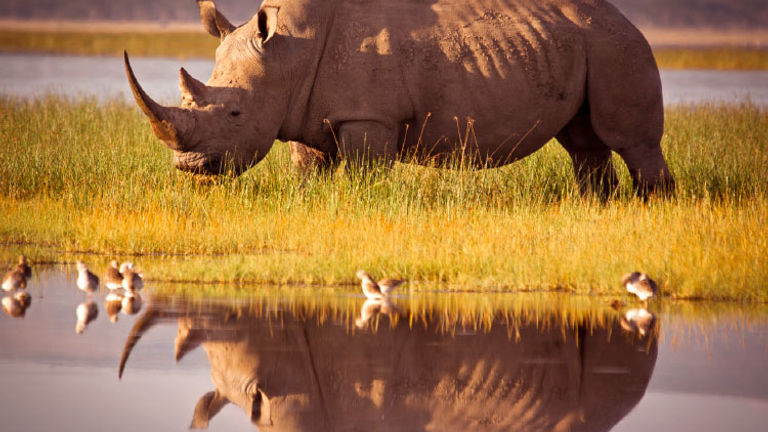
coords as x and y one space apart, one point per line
377 290
388 285
85 313
112 278
640 285
132 281
15 279
86 280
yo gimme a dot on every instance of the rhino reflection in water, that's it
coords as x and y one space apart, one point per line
297 374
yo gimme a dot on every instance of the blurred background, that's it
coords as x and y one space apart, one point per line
646 13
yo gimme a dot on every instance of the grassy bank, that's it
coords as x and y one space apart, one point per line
175 44
77 177
186 44
712 58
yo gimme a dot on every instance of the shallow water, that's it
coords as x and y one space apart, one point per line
28 75
299 364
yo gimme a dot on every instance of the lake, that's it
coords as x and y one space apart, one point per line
265 362
29 75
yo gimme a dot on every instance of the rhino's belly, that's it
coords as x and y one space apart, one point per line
514 88
496 120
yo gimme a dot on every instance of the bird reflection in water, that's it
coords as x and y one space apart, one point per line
15 304
131 303
372 308
113 302
638 321
295 368
85 313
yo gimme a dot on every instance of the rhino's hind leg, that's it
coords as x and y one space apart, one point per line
626 107
307 160
591 158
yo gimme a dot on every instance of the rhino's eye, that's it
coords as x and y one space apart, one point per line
234 113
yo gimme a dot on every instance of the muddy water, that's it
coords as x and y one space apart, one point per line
297 364
29 75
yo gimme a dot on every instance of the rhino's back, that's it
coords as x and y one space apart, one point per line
516 69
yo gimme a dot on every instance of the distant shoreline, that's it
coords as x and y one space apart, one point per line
673 48
100 26
659 37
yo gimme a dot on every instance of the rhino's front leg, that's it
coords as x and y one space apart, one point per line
364 143
306 159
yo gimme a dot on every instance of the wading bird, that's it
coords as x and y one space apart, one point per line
86 280
640 285
377 290
15 279
112 278
132 281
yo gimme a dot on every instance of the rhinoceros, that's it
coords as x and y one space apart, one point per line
297 371
386 80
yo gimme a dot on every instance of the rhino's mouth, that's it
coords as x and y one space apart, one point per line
197 163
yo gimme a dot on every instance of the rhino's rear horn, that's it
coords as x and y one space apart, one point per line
190 87
214 22
168 123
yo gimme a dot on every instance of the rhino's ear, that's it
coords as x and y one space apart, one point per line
213 21
267 17
208 406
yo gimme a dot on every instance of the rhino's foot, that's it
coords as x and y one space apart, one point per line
649 171
661 185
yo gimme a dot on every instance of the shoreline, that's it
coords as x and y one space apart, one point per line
658 37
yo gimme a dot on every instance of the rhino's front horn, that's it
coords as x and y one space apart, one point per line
168 123
149 319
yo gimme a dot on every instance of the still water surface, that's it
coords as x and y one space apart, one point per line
295 365
29 75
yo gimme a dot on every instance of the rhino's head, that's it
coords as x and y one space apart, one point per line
229 123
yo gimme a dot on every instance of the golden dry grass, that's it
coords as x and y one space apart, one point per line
69 186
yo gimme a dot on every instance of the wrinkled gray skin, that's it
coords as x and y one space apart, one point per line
364 80
302 373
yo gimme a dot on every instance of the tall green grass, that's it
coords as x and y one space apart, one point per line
80 177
